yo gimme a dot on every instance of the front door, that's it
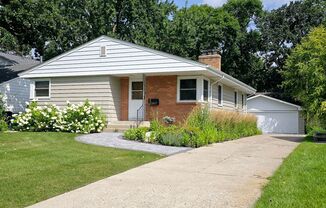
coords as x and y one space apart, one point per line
136 95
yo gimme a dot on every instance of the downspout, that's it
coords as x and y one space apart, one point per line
214 83
144 97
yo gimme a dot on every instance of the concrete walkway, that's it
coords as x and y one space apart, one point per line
229 174
115 140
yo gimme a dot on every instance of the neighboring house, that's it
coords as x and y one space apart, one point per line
15 90
276 116
130 81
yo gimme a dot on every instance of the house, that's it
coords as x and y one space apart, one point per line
15 90
276 116
129 81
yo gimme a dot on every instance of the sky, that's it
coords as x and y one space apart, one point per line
268 4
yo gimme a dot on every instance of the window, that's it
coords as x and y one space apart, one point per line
242 100
235 99
137 90
188 89
103 51
219 94
205 90
42 88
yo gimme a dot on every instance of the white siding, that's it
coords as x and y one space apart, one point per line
276 116
228 99
104 91
121 58
259 104
16 94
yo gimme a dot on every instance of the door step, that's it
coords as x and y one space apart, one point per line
122 126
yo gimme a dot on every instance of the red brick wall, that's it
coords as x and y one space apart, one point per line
212 60
124 87
165 89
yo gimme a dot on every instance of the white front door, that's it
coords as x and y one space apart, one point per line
136 95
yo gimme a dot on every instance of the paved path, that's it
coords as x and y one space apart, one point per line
229 174
115 140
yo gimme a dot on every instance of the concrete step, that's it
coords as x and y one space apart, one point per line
112 129
121 126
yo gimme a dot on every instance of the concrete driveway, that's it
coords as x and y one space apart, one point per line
229 174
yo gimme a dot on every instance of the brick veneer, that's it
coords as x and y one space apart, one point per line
213 60
124 87
165 89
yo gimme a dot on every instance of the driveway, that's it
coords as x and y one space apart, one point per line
229 174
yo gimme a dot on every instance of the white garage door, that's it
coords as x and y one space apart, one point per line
278 122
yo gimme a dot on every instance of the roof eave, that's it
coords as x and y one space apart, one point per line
250 90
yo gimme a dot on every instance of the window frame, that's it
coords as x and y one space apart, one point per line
208 90
34 89
131 90
236 99
178 89
222 94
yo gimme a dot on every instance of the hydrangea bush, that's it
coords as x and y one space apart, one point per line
81 118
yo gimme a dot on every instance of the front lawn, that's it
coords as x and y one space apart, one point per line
300 181
37 166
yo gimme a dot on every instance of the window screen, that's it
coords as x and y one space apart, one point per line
42 88
188 89
219 96
205 90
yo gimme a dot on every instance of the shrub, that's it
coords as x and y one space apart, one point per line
82 118
3 123
172 139
203 126
137 134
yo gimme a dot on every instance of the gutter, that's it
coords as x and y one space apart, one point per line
232 79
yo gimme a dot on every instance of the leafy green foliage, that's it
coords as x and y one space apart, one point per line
202 127
305 75
254 56
3 123
137 134
281 30
82 118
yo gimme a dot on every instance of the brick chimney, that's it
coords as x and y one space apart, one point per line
211 57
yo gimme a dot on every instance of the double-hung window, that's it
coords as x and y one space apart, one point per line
42 89
205 90
235 99
219 94
188 90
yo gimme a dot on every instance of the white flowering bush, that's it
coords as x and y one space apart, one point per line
81 118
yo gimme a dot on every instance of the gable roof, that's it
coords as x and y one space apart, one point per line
165 63
17 63
274 99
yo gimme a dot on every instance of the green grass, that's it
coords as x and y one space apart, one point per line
37 166
300 181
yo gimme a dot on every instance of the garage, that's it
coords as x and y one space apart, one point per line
276 116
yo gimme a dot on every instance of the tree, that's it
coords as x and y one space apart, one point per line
8 42
203 27
281 30
305 74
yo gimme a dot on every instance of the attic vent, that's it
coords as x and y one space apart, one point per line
103 51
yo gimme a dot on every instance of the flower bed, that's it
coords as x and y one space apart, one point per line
81 118
202 127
